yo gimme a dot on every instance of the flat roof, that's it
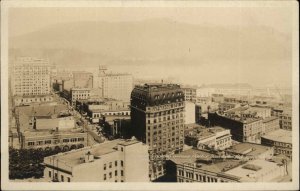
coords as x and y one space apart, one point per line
263 165
280 135
193 156
250 149
268 119
42 132
73 158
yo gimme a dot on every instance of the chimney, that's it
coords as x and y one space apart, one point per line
88 157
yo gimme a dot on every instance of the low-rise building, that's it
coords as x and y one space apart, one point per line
270 124
199 166
79 94
53 139
285 116
251 151
47 122
244 128
214 138
96 109
281 140
259 171
286 120
227 106
189 94
112 161
32 99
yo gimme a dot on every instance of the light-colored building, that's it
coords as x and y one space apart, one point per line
79 94
227 106
46 122
116 86
98 108
281 140
31 76
32 99
199 166
213 138
113 161
190 112
251 151
259 171
216 138
53 139
189 94
270 124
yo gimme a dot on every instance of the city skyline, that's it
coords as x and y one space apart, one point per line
109 93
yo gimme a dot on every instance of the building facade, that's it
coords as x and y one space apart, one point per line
31 76
79 94
191 167
116 86
190 112
243 128
157 118
189 94
281 140
53 140
27 100
112 161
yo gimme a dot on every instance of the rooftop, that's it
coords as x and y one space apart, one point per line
268 119
157 86
249 149
32 96
279 135
46 132
73 158
204 160
241 119
247 174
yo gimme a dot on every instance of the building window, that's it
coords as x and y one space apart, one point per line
116 173
110 175
122 174
121 163
122 149
48 142
116 163
49 173
104 166
65 140
110 164
69 179
30 143
62 178
104 177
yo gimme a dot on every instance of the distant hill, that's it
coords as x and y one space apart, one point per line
157 41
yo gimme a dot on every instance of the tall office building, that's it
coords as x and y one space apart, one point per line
115 85
157 118
31 76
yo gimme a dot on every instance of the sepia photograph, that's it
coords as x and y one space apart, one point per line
149 95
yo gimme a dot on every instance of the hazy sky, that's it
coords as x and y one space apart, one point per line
25 20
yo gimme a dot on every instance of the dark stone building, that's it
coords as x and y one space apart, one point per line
157 119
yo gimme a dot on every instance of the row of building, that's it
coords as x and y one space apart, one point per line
121 161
